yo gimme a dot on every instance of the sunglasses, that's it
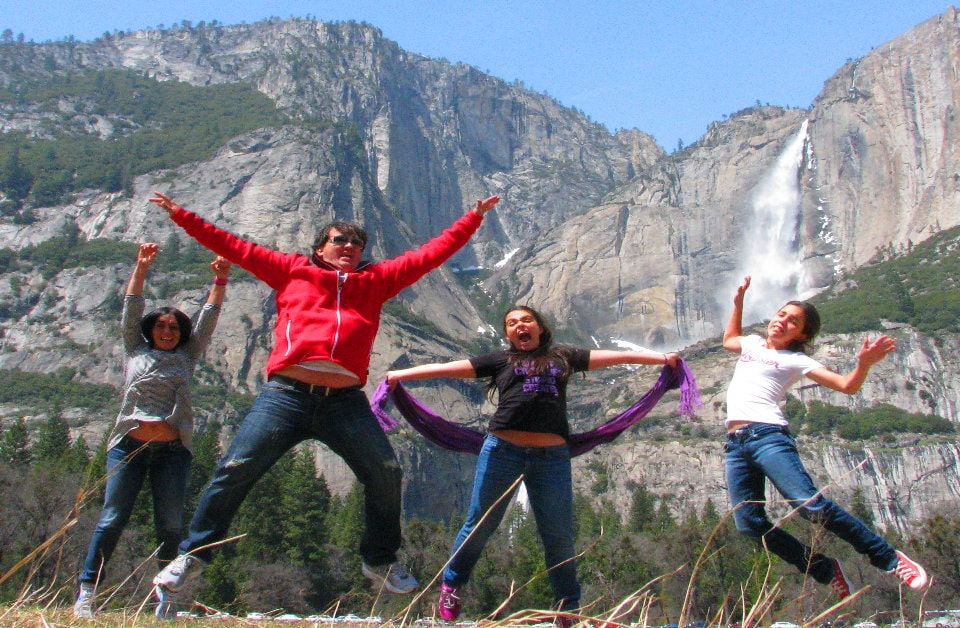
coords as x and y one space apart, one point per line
342 239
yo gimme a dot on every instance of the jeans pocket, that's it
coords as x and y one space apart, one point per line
278 386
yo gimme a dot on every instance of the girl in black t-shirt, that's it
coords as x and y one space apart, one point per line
527 436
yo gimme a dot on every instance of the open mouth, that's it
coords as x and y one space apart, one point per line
524 336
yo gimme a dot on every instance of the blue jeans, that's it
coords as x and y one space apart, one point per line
761 451
546 474
282 417
128 464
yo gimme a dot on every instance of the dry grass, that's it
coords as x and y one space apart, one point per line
44 607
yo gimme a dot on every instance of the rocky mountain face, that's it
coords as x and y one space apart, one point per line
795 198
613 238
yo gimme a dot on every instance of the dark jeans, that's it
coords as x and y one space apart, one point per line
547 477
128 464
281 418
762 451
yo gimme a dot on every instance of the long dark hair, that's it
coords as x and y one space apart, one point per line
183 322
811 327
545 355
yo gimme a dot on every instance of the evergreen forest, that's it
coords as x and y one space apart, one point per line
294 546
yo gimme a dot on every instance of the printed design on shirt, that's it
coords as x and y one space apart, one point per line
539 382
752 357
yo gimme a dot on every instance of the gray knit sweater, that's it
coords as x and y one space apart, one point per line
157 386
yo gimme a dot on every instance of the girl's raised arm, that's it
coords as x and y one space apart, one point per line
145 256
734 329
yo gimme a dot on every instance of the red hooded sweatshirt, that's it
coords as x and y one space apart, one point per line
324 313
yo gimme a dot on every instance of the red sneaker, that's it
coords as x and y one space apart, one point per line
840 584
910 572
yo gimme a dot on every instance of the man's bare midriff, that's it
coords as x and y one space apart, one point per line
318 378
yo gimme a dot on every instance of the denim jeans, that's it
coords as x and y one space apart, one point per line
549 484
128 464
282 417
762 451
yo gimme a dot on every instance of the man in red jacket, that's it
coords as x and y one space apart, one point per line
328 313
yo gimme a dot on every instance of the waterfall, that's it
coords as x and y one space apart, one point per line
770 250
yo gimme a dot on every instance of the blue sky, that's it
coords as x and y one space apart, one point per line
668 67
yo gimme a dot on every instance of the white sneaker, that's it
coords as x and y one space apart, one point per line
182 568
167 606
393 577
83 608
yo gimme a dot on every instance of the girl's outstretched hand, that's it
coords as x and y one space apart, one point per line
672 359
873 352
391 380
741 290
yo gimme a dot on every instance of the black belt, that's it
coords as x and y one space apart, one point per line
311 389
756 429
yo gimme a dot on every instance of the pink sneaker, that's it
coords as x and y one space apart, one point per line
449 604
910 572
840 584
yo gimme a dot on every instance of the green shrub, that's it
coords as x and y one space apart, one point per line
918 287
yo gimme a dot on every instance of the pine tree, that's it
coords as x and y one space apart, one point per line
527 560
345 518
939 551
53 438
16 180
206 454
77 458
663 520
304 501
260 517
642 509
222 578
15 444
94 476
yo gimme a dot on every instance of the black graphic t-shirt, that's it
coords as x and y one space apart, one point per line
530 402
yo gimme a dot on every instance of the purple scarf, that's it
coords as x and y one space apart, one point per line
467 440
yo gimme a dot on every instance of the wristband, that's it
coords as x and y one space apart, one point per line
219 282
664 358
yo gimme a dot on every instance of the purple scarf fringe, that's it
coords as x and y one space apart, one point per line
463 439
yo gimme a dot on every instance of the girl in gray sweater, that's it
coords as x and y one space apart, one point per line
153 432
